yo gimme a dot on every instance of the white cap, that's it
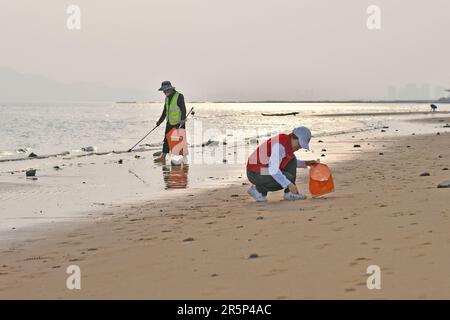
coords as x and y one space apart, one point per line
303 135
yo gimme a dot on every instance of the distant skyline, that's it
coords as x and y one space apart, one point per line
224 50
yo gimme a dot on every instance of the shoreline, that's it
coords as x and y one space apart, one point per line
382 213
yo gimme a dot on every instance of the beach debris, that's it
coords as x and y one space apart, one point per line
260 218
280 114
120 161
32 155
190 239
253 256
88 149
385 127
57 167
234 196
446 126
356 146
21 150
137 156
383 130
425 174
30 173
444 184
157 153
211 143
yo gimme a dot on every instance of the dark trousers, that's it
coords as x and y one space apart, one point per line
168 128
265 182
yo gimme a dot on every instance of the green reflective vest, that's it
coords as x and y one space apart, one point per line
173 111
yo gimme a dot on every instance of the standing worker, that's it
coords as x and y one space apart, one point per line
175 112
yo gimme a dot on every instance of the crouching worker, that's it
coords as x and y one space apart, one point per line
273 165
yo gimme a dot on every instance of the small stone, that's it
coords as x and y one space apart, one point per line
324 150
137 157
234 195
322 155
190 239
30 173
444 184
88 149
438 134
445 169
425 174
383 130
253 256
260 218
120 161
381 153
56 168
320 141
32 155
356 146
446 126
214 275
224 161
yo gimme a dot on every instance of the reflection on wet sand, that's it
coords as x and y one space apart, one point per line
175 177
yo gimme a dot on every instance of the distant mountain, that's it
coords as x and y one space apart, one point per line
19 87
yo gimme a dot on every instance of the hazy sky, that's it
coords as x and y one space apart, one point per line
232 49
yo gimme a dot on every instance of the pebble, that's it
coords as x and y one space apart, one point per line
444 184
425 174
190 239
30 173
356 146
253 256
32 155
120 161
87 149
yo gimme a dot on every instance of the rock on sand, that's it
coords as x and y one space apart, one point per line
444 184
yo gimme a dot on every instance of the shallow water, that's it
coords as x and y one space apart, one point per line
83 185
68 127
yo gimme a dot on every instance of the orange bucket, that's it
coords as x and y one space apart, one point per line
320 180
177 141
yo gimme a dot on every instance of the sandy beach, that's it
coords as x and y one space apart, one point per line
219 244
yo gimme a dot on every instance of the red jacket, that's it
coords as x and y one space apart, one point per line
260 157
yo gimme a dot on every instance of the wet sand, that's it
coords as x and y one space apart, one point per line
219 244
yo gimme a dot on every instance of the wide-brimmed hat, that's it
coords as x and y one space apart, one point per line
166 85
303 134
